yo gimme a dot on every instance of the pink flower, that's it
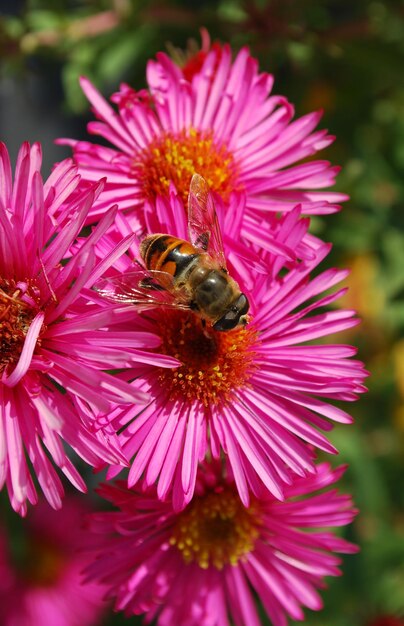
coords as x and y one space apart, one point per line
219 121
56 332
40 570
206 565
259 394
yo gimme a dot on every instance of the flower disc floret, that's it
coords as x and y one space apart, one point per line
214 365
19 304
216 530
174 158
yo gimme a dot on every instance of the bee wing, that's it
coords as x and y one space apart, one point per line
203 225
143 288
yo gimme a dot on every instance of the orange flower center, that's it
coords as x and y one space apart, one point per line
16 315
214 364
175 158
216 529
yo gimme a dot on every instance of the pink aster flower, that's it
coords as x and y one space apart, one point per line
207 565
221 121
260 394
40 570
57 336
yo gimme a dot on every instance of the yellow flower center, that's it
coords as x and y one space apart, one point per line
175 158
214 364
216 530
16 316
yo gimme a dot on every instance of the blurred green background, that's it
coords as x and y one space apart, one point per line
343 56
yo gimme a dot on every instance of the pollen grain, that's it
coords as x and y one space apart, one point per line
216 529
176 157
18 307
214 364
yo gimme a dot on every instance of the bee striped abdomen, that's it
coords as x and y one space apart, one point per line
168 254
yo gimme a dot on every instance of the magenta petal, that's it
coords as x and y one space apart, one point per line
27 352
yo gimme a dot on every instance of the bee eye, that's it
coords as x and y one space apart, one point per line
242 304
231 318
227 322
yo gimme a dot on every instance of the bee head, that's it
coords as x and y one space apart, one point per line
235 315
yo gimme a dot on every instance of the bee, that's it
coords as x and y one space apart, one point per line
185 274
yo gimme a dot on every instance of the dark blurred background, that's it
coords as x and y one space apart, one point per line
342 56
